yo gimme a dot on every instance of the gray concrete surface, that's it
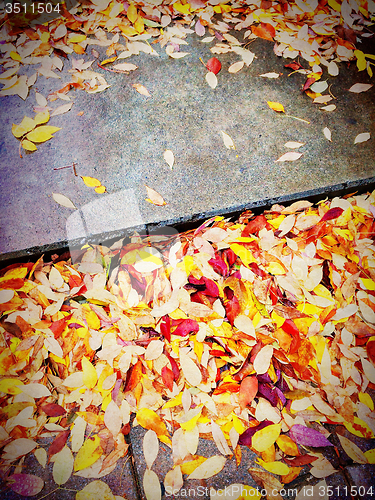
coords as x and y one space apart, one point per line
121 137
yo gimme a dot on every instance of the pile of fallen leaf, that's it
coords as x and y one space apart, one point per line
323 33
253 332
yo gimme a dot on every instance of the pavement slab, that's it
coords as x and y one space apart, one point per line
119 137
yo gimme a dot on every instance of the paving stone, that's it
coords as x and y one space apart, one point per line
120 481
361 480
121 137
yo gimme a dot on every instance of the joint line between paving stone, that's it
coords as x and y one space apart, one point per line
133 467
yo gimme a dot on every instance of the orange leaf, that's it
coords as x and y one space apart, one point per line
264 30
248 390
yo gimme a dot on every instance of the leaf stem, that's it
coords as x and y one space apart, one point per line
296 118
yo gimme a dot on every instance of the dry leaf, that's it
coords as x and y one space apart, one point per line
276 106
209 468
169 157
150 447
365 136
141 89
327 133
228 141
211 79
289 156
154 197
236 67
293 144
360 87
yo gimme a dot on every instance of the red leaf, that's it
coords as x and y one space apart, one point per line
248 390
370 347
219 266
58 326
293 65
264 30
186 327
174 365
232 306
298 461
53 410
255 225
167 376
165 328
26 485
58 443
229 256
213 65
289 327
308 83
332 213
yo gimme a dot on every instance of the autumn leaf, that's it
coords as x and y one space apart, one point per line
365 136
26 485
88 454
211 79
94 490
154 197
264 30
91 181
276 106
213 65
236 67
360 87
290 156
42 133
63 200
169 157
228 141
327 133
208 468
141 89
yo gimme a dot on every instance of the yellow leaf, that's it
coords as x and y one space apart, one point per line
276 106
9 386
370 456
139 25
334 5
359 428
191 424
90 376
367 284
266 437
275 268
274 467
91 181
107 61
15 56
42 134
100 189
41 117
185 9
76 38
132 13
25 126
191 465
28 145
88 454
150 420
366 400
95 490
